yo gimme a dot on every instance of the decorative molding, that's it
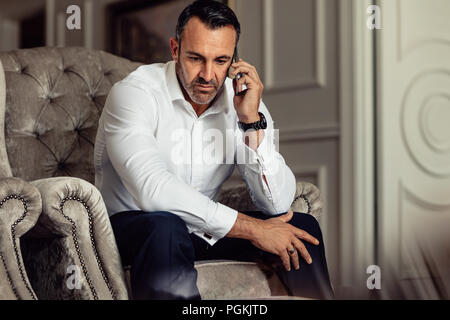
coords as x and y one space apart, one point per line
88 24
61 29
301 82
402 49
50 12
268 43
356 149
316 132
431 157
426 109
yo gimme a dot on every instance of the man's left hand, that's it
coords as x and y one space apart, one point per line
247 105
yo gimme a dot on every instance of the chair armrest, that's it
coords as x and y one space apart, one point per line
20 207
75 222
307 199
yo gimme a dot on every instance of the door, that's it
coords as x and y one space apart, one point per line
413 146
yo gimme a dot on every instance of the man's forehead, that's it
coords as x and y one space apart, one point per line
197 34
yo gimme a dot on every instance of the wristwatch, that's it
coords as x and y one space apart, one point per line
261 124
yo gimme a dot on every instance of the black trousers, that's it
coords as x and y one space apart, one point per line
162 253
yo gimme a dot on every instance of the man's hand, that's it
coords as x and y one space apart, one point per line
247 105
276 236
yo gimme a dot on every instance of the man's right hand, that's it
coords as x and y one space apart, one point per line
276 236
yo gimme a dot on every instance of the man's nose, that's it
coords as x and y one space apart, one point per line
207 72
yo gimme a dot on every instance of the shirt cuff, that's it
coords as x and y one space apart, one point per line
218 225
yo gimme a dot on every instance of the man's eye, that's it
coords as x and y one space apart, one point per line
194 59
221 61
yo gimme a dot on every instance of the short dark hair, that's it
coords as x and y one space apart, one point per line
214 14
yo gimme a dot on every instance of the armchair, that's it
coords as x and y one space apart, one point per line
50 103
20 207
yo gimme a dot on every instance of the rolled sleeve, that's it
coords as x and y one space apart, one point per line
277 195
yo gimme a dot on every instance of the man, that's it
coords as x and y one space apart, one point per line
158 188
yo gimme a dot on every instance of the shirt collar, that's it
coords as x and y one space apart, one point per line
176 93
172 83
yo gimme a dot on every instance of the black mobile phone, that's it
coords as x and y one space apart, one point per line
238 76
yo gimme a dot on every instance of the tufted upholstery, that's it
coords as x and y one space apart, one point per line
54 99
50 102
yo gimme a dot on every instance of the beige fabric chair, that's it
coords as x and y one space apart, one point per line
50 103
20 207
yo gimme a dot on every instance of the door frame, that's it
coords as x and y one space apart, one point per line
358 227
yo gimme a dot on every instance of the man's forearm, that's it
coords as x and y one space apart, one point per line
245 227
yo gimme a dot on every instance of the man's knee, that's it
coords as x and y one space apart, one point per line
306 222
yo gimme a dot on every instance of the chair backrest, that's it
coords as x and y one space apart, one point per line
54 98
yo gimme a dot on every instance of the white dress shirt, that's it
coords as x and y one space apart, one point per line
153 153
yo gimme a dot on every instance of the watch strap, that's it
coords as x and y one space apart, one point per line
261 124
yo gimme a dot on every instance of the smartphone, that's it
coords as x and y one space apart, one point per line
238 76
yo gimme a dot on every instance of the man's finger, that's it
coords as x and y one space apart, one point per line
294 257
285 259
245 70
242 80
302 250
301 234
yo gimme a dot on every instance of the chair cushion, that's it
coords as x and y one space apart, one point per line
220 279
229 279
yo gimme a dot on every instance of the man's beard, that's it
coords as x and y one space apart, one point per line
197 95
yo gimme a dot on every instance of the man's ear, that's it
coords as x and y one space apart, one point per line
175 49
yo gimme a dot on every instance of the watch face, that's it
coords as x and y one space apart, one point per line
263 121
261 124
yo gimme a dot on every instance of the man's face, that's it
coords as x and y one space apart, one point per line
203 60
